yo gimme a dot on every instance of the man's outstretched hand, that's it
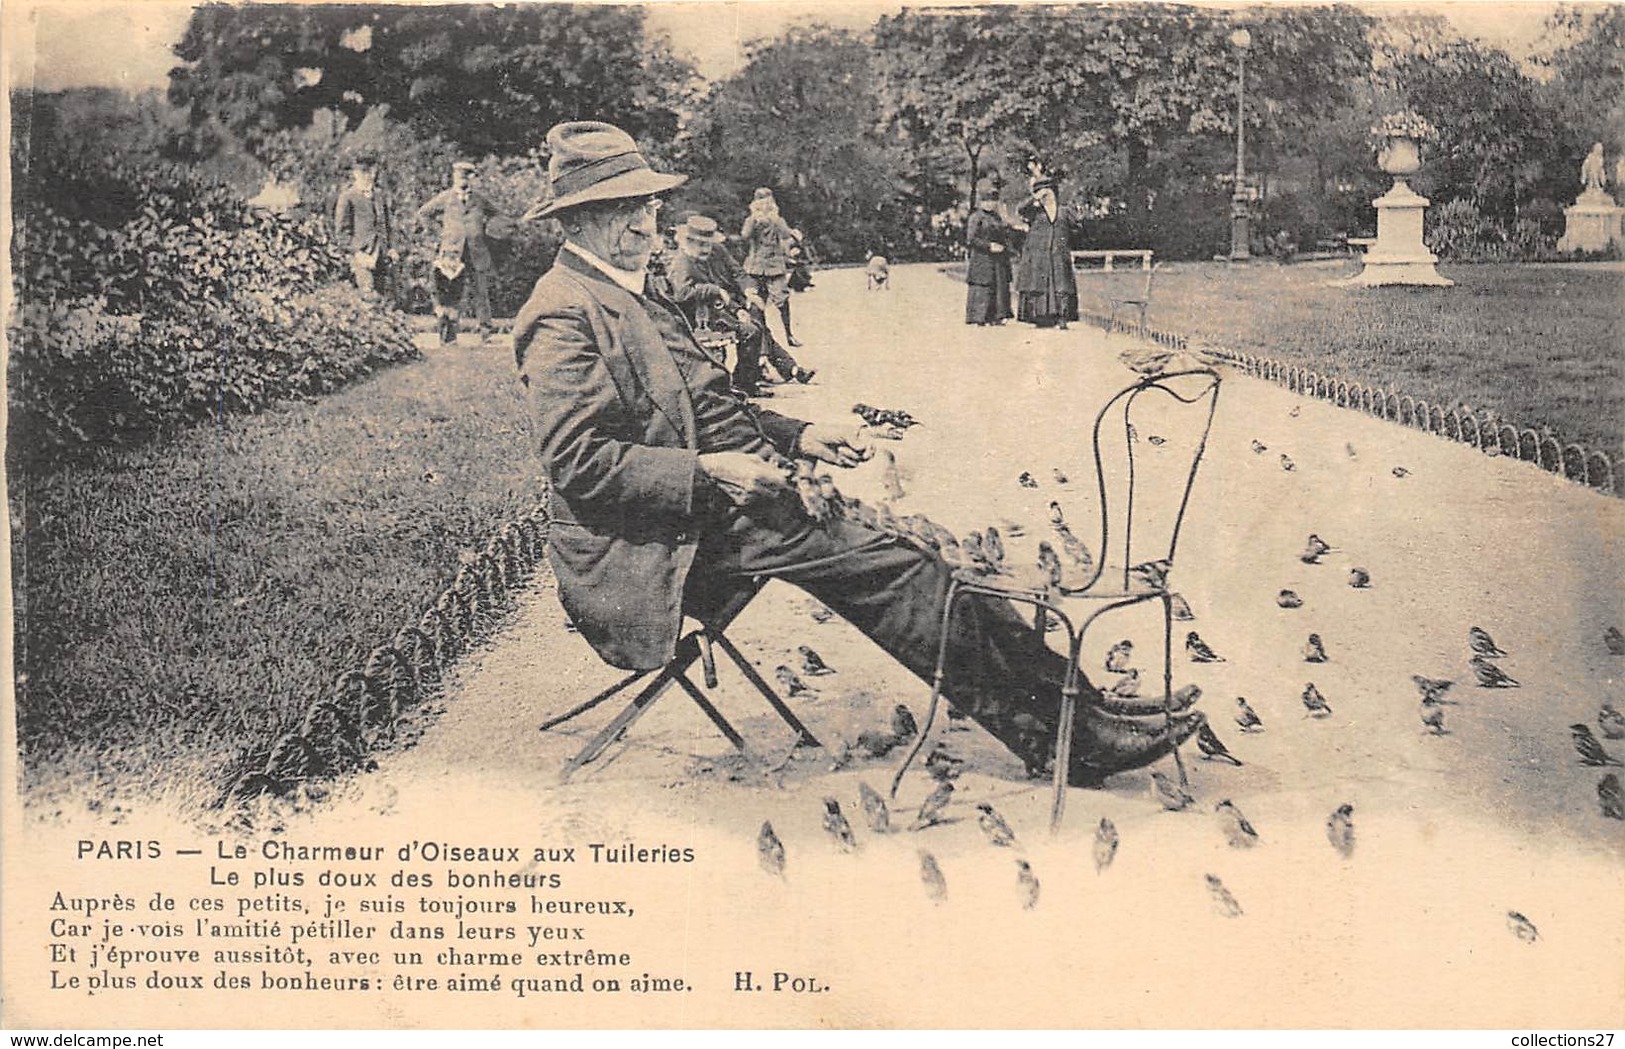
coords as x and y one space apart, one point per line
836 445
744 476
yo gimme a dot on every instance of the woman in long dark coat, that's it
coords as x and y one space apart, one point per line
1046 287
988 240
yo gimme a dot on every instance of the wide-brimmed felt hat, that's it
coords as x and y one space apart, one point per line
700 227
592 161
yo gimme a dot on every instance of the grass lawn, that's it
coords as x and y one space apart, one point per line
180 603
1540 345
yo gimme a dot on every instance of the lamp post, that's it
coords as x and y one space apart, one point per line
1238 200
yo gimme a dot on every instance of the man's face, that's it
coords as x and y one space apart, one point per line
623 235
696 247
365 178
462 178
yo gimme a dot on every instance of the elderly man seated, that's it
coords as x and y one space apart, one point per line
668 487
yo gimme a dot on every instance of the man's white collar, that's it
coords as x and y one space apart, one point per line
632 280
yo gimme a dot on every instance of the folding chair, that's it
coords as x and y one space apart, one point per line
1135 296
696 645
1103 590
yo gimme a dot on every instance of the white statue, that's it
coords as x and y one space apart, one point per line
1592 175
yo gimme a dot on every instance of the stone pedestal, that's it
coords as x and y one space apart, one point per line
1592 223
1399 256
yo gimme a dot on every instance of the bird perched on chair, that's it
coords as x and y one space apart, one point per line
1259 447
770 850
1289 599
1060 478
1106 842
1287 464
1482 644
1489 675
793 686
1432 689
1212 747
1127 686
1611 721
1608 796
1152 575
836 826
1313 650
1522 927
1117 656
1028 883
1614 640
1179 609
1340 830
811 662
993 546
1359 578
994 828
1223 901
936 886
891 478
1247 717
1314 550
1198 650
1049 565
1237 830
1026 480
875 812
1173 797
1433 718
1314 702
1590 750
932 808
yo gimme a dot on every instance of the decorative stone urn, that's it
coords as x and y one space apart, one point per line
1399 256
1401 156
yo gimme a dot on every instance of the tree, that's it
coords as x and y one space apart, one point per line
1586 63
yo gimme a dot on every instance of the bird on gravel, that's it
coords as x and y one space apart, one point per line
993 546
875 812
1179 609
1296 408
1049 565
1611 721
1522 927
1199 651
1223 901
941 765
1608 796
793 686
903 725
994 828
1174 798
1479 640
1314 702
1212 747
1057 516
1585 744
1614 640
770 850
1349 448
1259 447
1237 830
1432 689
1490 675
1433 718
876 745
1313 650
1315 549
1287 464
1106 842
977 553
837 827
1289 599
1246 717
932 808
1026 480
1117 656
1340 830
812 663
936 886
1028 881
1359 578
1060 478
1401 472
1077 551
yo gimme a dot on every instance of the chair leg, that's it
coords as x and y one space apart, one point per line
1168 680
688 651
581 708
714 714
708 660
1063 746
805 734
936 687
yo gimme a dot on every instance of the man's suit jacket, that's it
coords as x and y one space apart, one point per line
619 435
365 219
768 239
462 226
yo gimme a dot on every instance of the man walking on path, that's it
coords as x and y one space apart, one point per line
362 221
465 213
767 237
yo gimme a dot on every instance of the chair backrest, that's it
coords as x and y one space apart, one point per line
1175 415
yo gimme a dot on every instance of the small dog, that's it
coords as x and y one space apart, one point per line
879 273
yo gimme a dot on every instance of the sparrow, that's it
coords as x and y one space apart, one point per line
993 546
1340 830
1060 478
1106 841
822 614
1432 689
1080 555
993 826
1247 717
1314 702
1127 686
1198 650
1174 798
931 810
1259 448
812 501
1313 650
811 662
1608 796
1150 574
1026 480
793 686
1117 656
1056 516
1614 640
1147 362
1349 448
1401 472
876 745
1212 747
842 757
1156 441
770 850
1522 927
1180 609
1289 599
1586 745
1359 579
1223 902
1184 696
891 478
1314 550
936 886
941 765
1287 464
836 825
1012 529
1049 564
1296 408
903 725
1433 718
1236 828
875 811
1611 721
1490 675
977 553
1029 884
1479 640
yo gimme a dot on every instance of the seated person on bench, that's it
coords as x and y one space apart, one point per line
667 486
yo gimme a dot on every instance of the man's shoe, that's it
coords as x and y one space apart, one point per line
794 342
1105 744
805 375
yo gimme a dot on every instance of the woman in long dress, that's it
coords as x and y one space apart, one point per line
1046 287
988 240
